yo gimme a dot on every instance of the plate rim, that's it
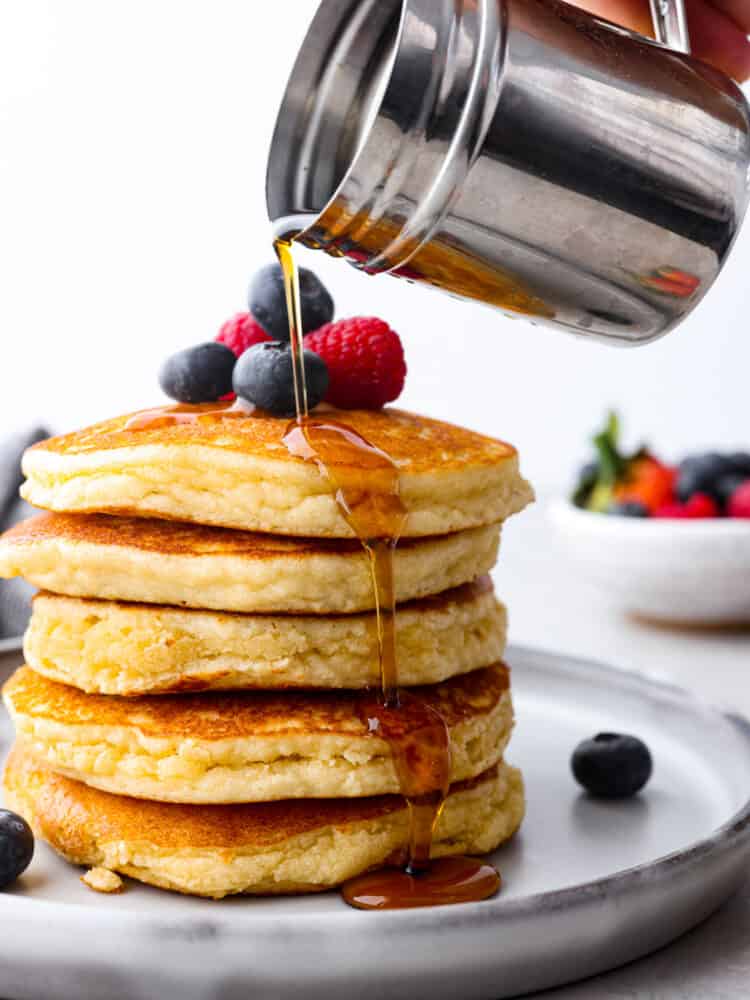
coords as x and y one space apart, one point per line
728 836
11 644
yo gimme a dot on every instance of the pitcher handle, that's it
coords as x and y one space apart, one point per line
670 24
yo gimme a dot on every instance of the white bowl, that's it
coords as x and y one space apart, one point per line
683 572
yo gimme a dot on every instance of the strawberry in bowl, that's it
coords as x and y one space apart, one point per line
669 542
639 484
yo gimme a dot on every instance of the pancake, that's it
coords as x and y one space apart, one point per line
164 562
247 746
110 647
237 473
282 847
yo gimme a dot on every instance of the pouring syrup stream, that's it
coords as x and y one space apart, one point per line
365 482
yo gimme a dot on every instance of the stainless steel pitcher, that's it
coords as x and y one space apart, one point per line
518 152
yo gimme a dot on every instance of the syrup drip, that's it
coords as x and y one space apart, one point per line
418 738
365 482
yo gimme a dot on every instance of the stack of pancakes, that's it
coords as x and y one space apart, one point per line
205 633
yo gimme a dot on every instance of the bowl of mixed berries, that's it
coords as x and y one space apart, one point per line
670 541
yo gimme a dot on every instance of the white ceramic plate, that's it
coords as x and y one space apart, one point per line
11 645
588 885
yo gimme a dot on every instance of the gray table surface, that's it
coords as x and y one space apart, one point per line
551 607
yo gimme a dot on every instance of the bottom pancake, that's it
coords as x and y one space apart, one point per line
281 847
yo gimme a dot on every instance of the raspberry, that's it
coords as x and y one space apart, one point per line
670 509
700 505
739 502
241 332
365 361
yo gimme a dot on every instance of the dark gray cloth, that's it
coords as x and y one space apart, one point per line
15 595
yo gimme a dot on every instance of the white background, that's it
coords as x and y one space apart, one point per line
133 141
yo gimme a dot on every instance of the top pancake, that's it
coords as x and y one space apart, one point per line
236 472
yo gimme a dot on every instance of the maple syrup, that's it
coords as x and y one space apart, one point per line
448 880
365 483
187 413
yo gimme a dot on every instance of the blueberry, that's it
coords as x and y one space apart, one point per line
199 374
701 474
587 479
629 508
611 765
267 301
16 846
727 485
589 472
263 376
740 462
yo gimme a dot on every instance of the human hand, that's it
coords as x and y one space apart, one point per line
718 28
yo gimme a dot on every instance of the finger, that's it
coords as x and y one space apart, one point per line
714 33
737 10
717 39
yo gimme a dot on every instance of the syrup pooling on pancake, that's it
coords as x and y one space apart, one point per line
418 734
213 464
186 413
